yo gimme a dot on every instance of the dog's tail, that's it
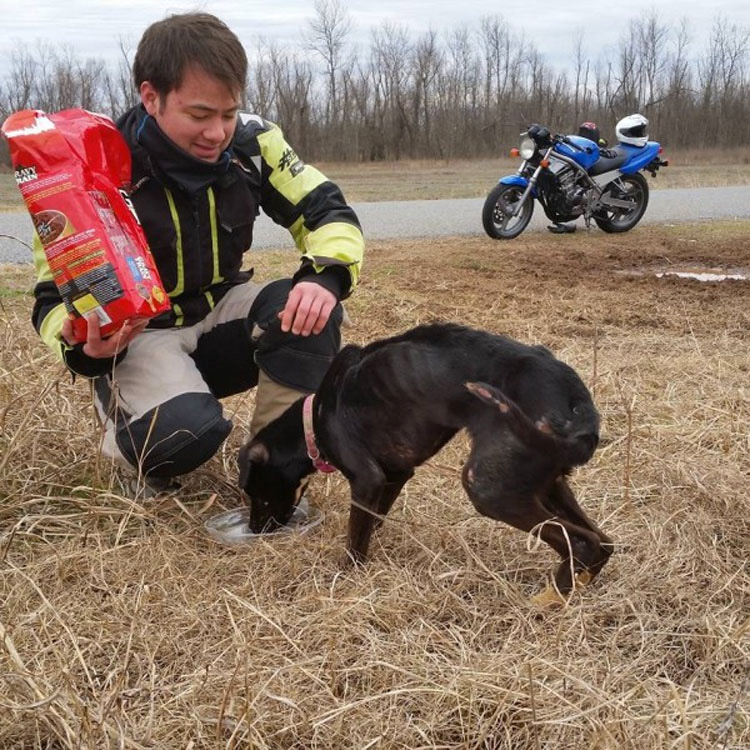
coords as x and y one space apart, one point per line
571 451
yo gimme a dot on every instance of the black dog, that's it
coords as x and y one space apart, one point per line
384 409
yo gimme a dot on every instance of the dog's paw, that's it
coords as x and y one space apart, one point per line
583 578
351 559
550 597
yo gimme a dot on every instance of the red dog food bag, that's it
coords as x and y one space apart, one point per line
73 170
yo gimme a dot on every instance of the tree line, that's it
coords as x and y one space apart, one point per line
465 93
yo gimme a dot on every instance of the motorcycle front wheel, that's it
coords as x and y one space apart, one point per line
629 187
497 214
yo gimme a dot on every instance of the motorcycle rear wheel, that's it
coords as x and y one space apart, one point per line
634 188
497 218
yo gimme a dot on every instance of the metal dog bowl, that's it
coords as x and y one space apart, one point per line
233 526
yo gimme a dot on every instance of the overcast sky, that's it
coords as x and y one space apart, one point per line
93 27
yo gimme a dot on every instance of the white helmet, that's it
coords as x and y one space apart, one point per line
632 130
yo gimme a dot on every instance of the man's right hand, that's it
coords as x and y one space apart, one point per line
95 345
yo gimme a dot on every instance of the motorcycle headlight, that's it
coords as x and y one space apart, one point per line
528 148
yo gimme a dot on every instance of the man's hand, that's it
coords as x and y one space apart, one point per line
111 346
307 309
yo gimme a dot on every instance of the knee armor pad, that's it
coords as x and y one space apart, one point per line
176 436
298 362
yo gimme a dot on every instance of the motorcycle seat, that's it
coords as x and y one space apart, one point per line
605 164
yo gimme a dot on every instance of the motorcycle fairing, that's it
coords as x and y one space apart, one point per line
639 156
516 179
636 158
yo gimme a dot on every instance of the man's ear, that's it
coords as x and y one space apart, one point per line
254 452
149 97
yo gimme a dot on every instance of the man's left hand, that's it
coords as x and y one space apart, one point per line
307 309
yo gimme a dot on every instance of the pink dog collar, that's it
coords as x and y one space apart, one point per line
312 448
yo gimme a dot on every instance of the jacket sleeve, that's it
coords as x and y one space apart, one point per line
48 316
299 197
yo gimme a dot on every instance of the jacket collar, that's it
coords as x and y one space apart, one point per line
154 153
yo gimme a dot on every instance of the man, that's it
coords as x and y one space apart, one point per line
201 170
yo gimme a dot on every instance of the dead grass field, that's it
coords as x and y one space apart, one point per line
413 180
123 625
464 178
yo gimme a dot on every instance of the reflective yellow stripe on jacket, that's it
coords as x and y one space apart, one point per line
339 242
51 326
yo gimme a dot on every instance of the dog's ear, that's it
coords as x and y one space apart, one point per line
251 453
489 394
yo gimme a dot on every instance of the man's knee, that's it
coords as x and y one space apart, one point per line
299 362
175 437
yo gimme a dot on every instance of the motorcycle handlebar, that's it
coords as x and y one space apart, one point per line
553 138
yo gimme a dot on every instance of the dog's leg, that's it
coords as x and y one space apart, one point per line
361 526
367 487
565 538
391 491
369 507
562 502
528 512
580 549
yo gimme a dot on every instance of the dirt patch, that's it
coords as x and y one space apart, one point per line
123 623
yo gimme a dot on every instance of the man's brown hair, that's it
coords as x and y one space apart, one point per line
168 47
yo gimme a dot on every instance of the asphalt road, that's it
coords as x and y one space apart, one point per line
403 219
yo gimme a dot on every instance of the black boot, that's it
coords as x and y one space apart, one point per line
562 228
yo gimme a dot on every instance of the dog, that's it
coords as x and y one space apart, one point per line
385 408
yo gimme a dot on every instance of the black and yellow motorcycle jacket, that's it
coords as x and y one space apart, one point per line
198 219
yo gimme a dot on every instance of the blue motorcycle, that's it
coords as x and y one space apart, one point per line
572 177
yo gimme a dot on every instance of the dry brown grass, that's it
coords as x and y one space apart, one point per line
123 625
473 178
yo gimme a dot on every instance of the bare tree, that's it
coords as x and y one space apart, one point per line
260 87
426 62
17 92
329 29
652 42
722 77
292 87
119 88
461 94
390 51
581 94
678 87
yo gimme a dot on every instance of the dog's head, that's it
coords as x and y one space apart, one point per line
273 480
555 398
274 466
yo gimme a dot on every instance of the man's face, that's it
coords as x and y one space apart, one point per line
200 116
